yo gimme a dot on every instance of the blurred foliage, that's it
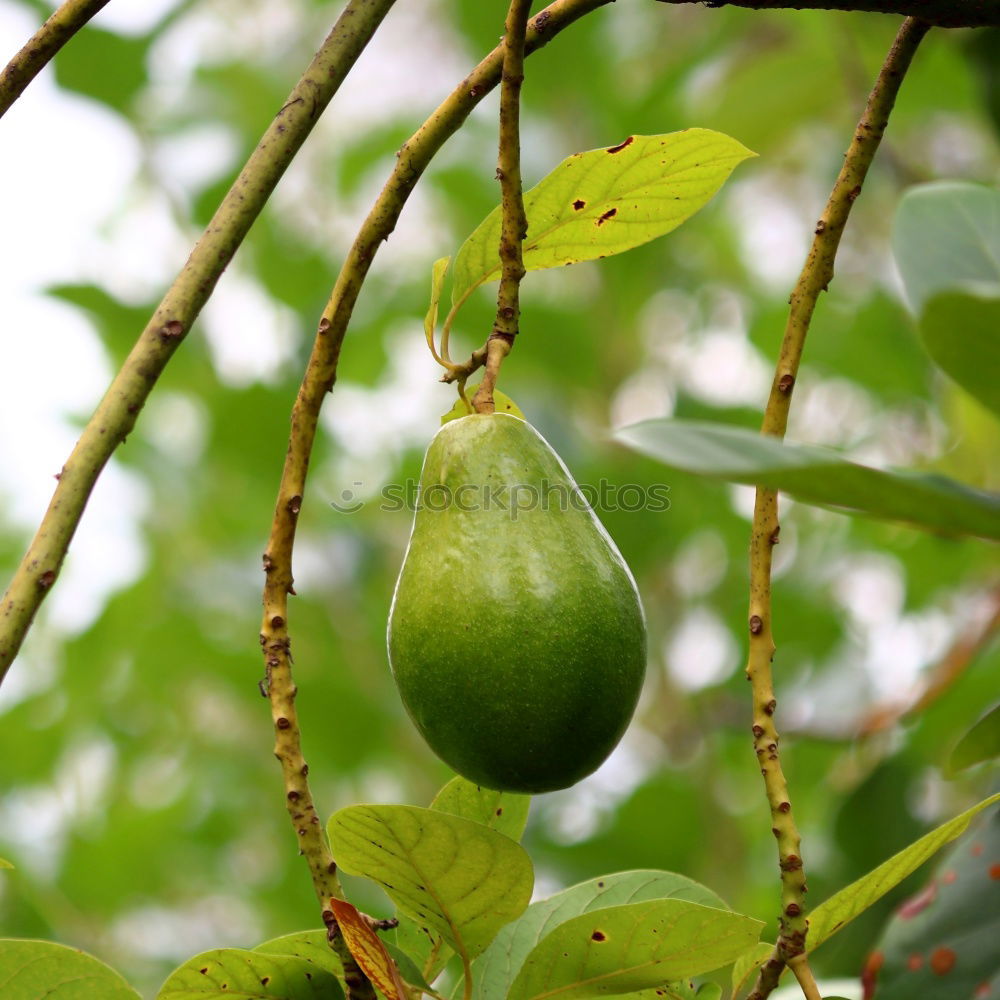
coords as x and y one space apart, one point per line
139 799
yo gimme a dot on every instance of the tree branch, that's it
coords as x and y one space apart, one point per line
319 377
816 276
937 13
117 412
38 51
514 223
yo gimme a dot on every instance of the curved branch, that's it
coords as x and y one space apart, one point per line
318 380
817 273
38 51
117 412
937 13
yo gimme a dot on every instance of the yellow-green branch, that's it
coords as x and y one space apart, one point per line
815 277
513 221
117 412
318 380
38 51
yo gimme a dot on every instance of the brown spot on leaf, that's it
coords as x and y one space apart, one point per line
609 214
942 961
579 203
622 145
598 936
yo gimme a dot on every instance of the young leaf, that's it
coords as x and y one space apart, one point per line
633 947
605 201
981 742
946 235
497 967
42 970
232 972
454 875
368 950
748 963
311 946
817 476
961 332
438 271
505 812
844 906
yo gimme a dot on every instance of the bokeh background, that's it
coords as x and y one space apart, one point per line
139 799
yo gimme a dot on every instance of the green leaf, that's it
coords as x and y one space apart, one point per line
961 332
844 906
311 946
505 812
407 966
4 863
633 947
457 876
946 235
818 476
605 201
42 970
250 975
748 963
496 969
981 742
438 271
122 61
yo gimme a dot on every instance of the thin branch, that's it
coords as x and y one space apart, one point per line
117 412
800 967
815 277
319 377
514 222
38 51
936 13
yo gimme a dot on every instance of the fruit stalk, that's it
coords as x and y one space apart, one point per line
514 222
816 275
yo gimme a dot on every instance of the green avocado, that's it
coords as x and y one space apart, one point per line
516 635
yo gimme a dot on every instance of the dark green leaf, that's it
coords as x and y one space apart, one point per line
981 742
961 332
817 476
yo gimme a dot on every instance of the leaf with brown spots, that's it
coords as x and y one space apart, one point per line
595 205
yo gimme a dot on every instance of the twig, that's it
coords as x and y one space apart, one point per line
514 222
38 51
942 676
800 967
815 277
319 378
936 13
118 411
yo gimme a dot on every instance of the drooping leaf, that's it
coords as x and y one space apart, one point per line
43 970
250 975
981 742
632 947
368 950
311 946
748 963
457 876
961 331
438 271
496 969
606 201
942 943
505 812
818 476
946 235
841 908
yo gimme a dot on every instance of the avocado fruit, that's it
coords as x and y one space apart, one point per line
516 635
